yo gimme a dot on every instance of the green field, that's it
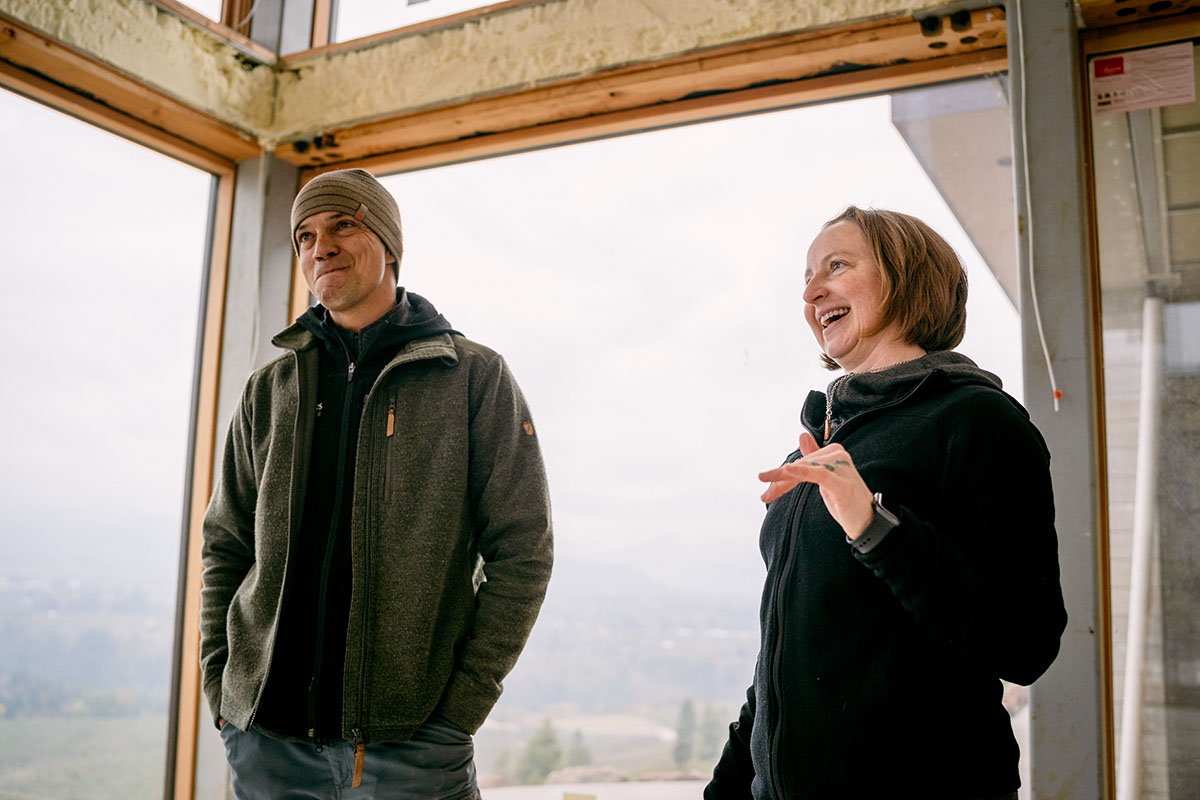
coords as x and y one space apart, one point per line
82 758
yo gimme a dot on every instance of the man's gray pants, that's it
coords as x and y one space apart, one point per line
437 763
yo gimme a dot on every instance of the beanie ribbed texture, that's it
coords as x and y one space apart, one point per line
356 193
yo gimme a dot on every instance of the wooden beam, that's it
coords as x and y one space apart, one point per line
299 300
1107 13
69 102
1163 30
203 459
235 16
322 21
60 76
776 96
845 55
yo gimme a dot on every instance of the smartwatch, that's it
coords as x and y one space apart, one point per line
881 524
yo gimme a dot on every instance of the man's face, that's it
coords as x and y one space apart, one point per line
345 265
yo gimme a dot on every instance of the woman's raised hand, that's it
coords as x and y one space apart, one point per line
846 496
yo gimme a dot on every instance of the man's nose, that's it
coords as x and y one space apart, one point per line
325 246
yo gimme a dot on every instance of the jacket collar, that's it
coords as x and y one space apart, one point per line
296 337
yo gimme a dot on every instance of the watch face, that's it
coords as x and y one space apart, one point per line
882 512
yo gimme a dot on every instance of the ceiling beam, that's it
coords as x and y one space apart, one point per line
771 72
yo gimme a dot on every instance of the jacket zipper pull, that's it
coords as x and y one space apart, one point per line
350 372
391 423
359 753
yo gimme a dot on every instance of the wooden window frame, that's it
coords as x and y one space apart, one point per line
858 59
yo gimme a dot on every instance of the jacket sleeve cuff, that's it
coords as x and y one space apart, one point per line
212 693
466 702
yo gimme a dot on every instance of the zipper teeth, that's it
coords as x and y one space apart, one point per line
362 645
330 544
362 652
776 690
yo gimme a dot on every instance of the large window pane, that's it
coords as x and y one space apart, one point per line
104 249
209 8
1148 216
646 291
354 19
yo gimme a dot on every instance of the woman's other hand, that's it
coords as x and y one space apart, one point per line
846 496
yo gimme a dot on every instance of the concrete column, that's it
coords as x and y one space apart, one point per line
256 308
1071 749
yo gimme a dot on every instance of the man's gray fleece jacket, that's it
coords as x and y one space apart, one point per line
450 536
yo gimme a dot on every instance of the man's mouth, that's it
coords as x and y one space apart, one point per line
833 315
328 271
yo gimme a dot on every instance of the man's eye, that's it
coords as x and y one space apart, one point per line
345 223
303 237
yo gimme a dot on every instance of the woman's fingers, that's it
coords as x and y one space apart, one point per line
845 494
785 478
808 444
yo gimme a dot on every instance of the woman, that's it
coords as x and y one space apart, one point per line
911 556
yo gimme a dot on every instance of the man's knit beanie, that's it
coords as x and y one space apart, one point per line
356 193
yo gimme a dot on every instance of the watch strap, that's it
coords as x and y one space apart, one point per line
881 525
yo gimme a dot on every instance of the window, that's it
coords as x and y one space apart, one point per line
102 277
646 292
1147 173
209 8
358 18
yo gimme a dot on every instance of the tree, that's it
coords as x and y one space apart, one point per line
503 765
542 755
712 733
578 754
685 743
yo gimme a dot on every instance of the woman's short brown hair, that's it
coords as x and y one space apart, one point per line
924 283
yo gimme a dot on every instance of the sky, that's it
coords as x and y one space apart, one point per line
645 290
357 18
102 276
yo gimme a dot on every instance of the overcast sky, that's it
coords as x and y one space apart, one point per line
646 291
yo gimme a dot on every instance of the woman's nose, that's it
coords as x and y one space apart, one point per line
814 290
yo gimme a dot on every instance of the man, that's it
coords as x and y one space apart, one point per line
379 542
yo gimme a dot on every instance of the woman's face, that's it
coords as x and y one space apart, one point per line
842 297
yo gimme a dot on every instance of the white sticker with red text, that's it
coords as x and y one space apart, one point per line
1148 78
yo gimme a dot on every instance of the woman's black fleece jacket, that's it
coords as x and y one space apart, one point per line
879 674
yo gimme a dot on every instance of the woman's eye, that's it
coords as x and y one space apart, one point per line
836 265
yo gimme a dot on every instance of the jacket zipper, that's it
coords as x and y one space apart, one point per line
857 419
784 572
295 351
361 714
790 545
314 683
389 432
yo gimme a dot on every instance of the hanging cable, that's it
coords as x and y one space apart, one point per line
1023 123
248 17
